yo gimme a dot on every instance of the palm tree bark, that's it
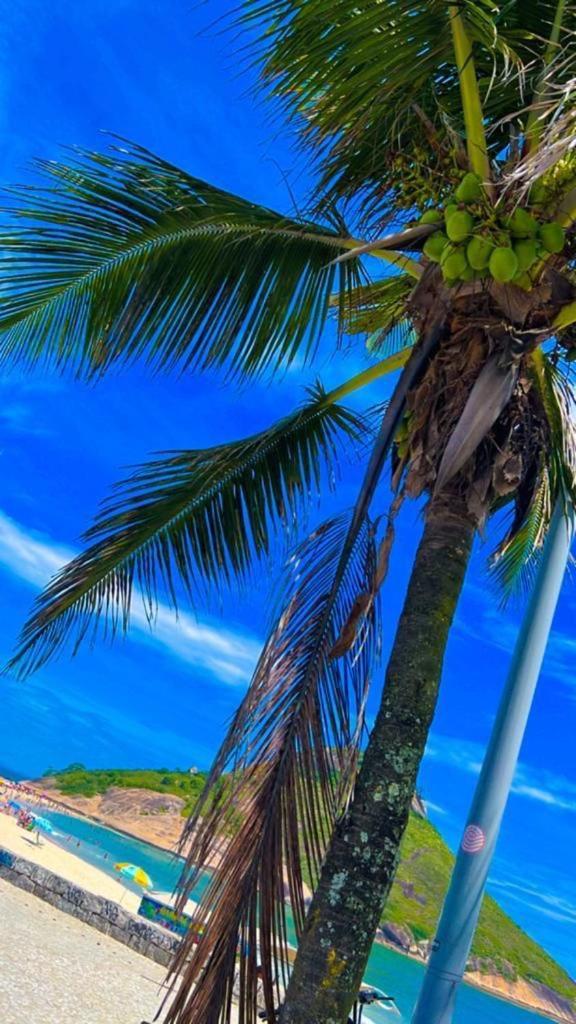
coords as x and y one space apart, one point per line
361 862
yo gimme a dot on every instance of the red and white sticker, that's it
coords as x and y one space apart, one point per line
473 839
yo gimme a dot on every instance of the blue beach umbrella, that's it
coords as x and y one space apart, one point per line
43 825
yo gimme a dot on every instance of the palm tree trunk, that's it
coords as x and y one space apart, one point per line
361 862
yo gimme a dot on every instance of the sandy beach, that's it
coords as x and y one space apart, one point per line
69 865
64 863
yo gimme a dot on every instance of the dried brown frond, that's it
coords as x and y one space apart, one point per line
291 753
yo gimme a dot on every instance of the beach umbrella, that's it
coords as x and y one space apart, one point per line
14 805
135 874
43 824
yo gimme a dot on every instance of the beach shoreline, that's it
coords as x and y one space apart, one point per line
493 985
64 862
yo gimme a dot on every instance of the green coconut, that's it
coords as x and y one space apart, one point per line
450 209
468 274
469 189
478 252
430 217
434 246
503 264
526 253
522 224
454 264
552 236
459 226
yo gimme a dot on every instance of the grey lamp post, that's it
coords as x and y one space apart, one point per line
464 898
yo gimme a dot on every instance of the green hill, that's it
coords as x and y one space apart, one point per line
76 780
416 898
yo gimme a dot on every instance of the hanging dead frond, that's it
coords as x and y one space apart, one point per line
277 748
288 755
363 603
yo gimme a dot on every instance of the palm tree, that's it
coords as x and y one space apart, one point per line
422 117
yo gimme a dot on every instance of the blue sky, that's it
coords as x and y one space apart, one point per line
148 72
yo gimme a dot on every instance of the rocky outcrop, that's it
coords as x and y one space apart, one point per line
154 817
529 994
397 935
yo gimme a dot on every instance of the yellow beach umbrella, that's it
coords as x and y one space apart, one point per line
134 873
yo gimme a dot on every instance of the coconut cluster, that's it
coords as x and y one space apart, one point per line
475 241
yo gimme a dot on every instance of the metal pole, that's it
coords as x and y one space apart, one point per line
457 925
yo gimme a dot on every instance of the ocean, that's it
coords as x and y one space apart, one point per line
395 974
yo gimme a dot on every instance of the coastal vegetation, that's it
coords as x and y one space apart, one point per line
431 120
76 780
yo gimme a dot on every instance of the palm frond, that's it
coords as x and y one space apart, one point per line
378 306
124 256
359 84
352 81
516 559
393 341
378 310
292 779
191 519
513 565
291 754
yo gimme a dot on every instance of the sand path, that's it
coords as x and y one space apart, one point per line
57 970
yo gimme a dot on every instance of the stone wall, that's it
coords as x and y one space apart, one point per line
105 915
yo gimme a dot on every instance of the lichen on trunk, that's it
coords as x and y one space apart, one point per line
360 865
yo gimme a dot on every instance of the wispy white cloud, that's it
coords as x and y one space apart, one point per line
542 786
545 787
19 418
20 411
455 753
228 655
435 808
489 627
541 899
29 556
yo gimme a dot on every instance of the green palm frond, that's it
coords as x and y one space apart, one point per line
378 306
514 563
123 256
291 753
190 519
392 341
378 310
359 84
558 399
332 71
516 559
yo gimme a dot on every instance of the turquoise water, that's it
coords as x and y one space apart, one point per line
387 970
